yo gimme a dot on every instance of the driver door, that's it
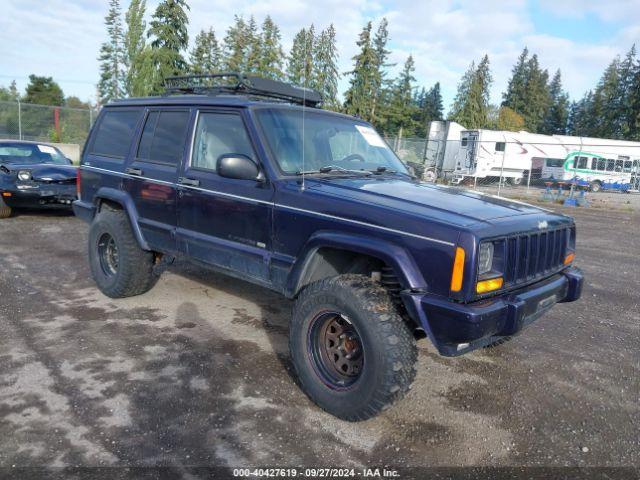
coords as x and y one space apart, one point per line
224 222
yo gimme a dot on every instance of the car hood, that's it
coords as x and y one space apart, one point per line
447 204
45 171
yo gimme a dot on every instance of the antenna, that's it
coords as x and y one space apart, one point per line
304 99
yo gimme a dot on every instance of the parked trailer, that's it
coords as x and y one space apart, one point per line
458 154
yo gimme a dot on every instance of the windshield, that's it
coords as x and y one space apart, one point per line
27 153
343 144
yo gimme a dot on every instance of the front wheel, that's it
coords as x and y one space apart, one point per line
5 210
354 355
515 181
595 186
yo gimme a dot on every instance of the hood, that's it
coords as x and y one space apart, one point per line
47 172
447 204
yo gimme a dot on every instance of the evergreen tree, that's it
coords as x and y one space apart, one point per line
325 60
471 104
168 28
205 56
528 91
380 83
43 91
402 110
254 47
235 46
624 100
516 95
633 114
271 61
134 49
509 120
112 57
555 121
300 65
361 94
605 110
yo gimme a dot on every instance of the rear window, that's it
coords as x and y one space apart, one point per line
115 133
164 136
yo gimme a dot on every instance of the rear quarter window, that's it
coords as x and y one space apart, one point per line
164 136
115 133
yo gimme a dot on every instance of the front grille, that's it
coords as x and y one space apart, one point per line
534 255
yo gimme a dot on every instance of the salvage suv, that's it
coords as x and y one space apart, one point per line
248 177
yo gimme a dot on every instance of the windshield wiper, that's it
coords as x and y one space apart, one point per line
380 170
334 169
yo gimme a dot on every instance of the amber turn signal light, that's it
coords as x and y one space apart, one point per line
6 194
489 285
458 270
569 258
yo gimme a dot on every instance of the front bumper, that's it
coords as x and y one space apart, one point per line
457 328
40 195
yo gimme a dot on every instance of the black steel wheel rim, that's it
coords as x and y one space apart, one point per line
108 254
335 350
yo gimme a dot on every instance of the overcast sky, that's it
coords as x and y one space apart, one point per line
61 38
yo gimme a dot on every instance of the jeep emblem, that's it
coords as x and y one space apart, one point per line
542 225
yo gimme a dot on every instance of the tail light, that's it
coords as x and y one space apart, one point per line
78 184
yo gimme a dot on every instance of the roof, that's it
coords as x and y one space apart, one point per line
222 100
25 142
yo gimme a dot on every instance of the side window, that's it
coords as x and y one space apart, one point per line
219 134
464 142
602 164
500 146
115 133
610 164
619 165
627 166
594 163
582 162
164 136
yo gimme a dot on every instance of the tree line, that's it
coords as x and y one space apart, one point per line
136 58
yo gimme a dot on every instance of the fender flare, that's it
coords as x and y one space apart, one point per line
402 263
123 199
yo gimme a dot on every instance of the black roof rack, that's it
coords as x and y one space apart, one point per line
238 83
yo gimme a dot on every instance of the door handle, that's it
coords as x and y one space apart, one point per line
191 182
134 171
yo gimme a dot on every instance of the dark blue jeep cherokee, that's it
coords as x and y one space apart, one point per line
248 178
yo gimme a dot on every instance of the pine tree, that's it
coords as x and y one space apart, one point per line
555 120
168 28
205 56
380 84
134 48
528 91
605 114
633 114
112 57
325 59
300 65
402 109
254 47
471 104
271 61
516 95
623 124
361 94
235 46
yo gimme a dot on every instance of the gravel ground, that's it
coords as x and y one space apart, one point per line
196 372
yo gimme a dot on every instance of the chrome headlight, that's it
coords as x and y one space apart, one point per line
485 258
24 175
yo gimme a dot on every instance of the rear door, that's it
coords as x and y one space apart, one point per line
221 221
152 174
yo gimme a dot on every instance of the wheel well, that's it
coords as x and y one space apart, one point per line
329 262
104 202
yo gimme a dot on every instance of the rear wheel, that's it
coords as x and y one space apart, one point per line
595 186
5 210
119 266
353 353
515 181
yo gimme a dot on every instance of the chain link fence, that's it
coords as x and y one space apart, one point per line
44 123
504 164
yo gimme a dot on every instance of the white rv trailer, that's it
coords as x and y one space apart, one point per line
516 156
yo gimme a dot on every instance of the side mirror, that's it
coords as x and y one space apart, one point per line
239 167
69 161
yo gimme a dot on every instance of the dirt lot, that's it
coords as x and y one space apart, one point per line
196 372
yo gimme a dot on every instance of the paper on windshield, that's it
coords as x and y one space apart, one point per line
47 149
371 136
